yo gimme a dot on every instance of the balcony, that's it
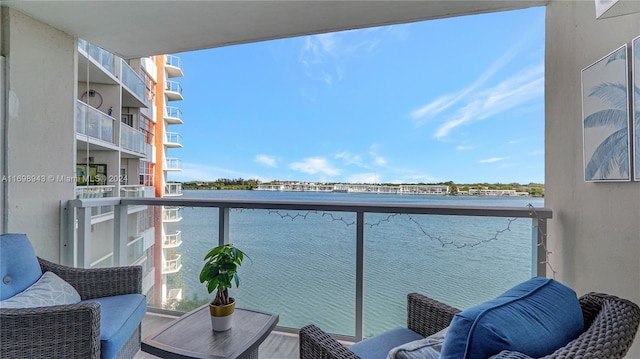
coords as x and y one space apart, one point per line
357 244
97 192
132 140
173 189
173 91
172 240
101 66
94 123
173 164
172 264
132 191
173 140
172 214
173 66
173 115
135 94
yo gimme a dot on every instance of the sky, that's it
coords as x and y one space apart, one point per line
459 99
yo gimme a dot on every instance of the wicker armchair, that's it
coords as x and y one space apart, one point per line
610 325
69 331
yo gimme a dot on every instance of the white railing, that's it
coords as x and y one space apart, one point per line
173 86
173 164
103 57
94 123
132 139
173 189
132 191
173 240
97 192
350 216
173 138
133 82
171 214
173 112
174 61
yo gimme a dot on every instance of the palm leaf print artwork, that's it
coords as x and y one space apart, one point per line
605 111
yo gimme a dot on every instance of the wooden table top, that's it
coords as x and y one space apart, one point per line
191 336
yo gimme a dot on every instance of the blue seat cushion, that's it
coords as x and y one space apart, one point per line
379 346
534 318
119 316
19 266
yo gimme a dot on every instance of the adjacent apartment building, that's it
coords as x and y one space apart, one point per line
125 116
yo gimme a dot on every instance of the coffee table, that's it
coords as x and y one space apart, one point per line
191 336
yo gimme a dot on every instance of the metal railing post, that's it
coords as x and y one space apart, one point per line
223 225
359 274
120 217
83 254
539 247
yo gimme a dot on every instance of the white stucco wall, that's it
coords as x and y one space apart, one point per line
595 231
40 137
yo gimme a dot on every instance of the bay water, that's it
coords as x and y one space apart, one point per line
302 263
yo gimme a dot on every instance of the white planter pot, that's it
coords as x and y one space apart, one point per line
221 316
220 324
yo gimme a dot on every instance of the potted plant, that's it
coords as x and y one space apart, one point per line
219 272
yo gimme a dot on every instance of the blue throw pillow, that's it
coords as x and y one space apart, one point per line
534 318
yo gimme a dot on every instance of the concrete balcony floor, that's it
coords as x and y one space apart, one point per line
277 346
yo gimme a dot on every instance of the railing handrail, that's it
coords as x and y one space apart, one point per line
411 208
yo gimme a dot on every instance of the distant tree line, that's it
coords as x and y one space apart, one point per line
534 189
223 183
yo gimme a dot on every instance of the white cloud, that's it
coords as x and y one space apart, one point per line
465 148
510 93
380 161
266 160
349 158
315 165
493 160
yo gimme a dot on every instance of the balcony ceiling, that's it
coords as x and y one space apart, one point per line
142 28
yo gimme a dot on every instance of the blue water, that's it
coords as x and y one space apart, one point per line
303 262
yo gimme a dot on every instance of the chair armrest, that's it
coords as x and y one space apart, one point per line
427 316
98 282
316 344
61 331
611 331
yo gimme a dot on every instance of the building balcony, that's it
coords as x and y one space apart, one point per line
94 123
172 214
173 115
173 189
97 192
350 243
132 140
172 264
173 140
172 240
173 91
101 64
132 191
173 164
135 94
173 66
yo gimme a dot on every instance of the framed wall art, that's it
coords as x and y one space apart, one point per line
605 119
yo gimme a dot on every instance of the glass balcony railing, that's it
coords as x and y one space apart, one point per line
132 191
132 81
173 164
173 90
173 139
173 189
94 123
135 250
172 264
172 214
173 240
103 57
173 115
97 192
360 255
173 65
132 139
